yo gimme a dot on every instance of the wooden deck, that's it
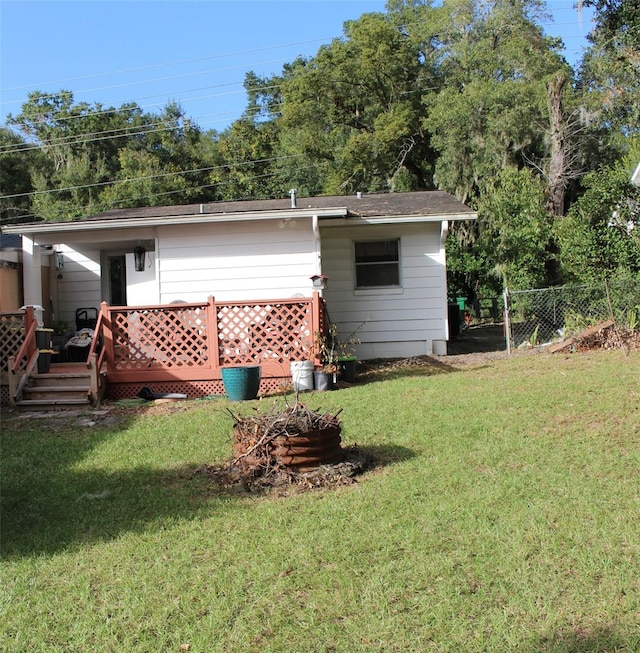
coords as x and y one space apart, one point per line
182 348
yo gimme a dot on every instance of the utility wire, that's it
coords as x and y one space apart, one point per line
153 81
146 177
88 137
162 65
115 203
192 74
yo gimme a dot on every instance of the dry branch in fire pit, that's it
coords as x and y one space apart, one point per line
296 437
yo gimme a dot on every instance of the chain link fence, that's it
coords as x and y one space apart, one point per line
537 317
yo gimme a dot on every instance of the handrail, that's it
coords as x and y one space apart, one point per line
17 389
96 335
96 361
26 347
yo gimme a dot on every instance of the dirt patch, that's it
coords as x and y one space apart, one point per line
282 480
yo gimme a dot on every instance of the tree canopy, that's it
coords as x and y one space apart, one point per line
469 96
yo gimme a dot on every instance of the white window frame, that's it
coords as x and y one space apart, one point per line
356 265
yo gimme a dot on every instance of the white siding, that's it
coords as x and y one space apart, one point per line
142 286
79 285
257 260
399 322
254 260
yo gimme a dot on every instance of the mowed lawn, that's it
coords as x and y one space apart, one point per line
504 515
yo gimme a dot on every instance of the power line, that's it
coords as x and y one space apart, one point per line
152 81
182 190
147 177
162 65
89 137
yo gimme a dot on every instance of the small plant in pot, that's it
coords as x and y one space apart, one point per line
61 333
326 371
337 357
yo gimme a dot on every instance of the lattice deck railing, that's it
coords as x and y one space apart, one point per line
17 350
12 329
191 342
181 347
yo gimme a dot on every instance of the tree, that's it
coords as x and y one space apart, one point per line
354 109
489 109
599 236
15 176
247 151
516 229
92 158
610 72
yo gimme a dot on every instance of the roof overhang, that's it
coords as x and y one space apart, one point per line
334 216
163 221
399 219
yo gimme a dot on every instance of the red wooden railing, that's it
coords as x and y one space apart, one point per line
193 341
24 362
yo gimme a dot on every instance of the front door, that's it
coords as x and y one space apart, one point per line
117 280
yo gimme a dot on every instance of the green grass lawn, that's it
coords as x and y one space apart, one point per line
503 516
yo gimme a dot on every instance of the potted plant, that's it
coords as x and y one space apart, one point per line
337 357
325 373
61 333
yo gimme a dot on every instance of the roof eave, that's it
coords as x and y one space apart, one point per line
200 218
404 219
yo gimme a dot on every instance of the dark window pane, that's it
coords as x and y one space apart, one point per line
376 251
380 274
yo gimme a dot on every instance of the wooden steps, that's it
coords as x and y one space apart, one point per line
65 388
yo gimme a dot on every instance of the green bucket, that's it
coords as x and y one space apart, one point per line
241 383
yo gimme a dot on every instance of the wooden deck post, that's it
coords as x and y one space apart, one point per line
212 332
107 334
317 322
13 381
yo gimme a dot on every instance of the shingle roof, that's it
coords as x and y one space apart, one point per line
424 203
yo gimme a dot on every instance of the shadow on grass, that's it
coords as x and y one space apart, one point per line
387 369
49 504
586 640
387 454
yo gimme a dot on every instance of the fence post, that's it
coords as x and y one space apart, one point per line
316 325
212 331
13 381
507 319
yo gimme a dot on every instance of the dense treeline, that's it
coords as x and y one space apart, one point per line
469 97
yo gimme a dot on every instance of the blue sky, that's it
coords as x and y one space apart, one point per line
194 52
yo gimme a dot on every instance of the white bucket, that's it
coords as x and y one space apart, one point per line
302 375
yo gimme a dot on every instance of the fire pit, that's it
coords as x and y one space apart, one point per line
296 438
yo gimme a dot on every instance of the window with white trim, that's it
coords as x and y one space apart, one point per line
377 263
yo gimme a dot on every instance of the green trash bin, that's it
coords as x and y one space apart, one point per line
461 301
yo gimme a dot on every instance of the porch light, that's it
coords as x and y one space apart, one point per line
59 261
139 254
319 281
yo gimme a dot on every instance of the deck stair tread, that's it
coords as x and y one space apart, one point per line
45 405
44 402
62 375
58 388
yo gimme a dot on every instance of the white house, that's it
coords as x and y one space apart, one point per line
383 257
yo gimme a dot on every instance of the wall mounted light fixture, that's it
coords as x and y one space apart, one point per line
139 254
